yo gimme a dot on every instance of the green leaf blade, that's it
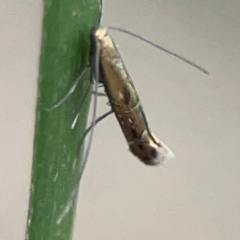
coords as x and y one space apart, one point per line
56 160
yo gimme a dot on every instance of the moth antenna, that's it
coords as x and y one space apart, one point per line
80 108
95 77
160 47
70 91
75 185
90 129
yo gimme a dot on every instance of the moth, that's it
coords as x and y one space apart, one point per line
107 68
124 100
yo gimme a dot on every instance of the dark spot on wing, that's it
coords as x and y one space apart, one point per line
154 153
135 134
127 96
150 156
141 146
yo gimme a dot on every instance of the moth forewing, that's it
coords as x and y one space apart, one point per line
125 103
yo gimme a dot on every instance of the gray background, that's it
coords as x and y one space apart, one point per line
195 196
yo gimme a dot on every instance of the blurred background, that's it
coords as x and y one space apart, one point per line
195 196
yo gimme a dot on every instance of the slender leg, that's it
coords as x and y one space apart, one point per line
99 94
99 119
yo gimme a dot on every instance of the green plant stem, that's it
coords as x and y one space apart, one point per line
57 154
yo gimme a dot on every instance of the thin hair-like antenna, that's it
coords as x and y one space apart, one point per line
70 91
96 78
75 185
80 107
159 47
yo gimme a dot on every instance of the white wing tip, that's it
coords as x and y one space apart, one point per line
167 152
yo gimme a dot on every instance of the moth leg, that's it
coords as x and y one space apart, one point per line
70 91
115 103
99 119
99 94
139 141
